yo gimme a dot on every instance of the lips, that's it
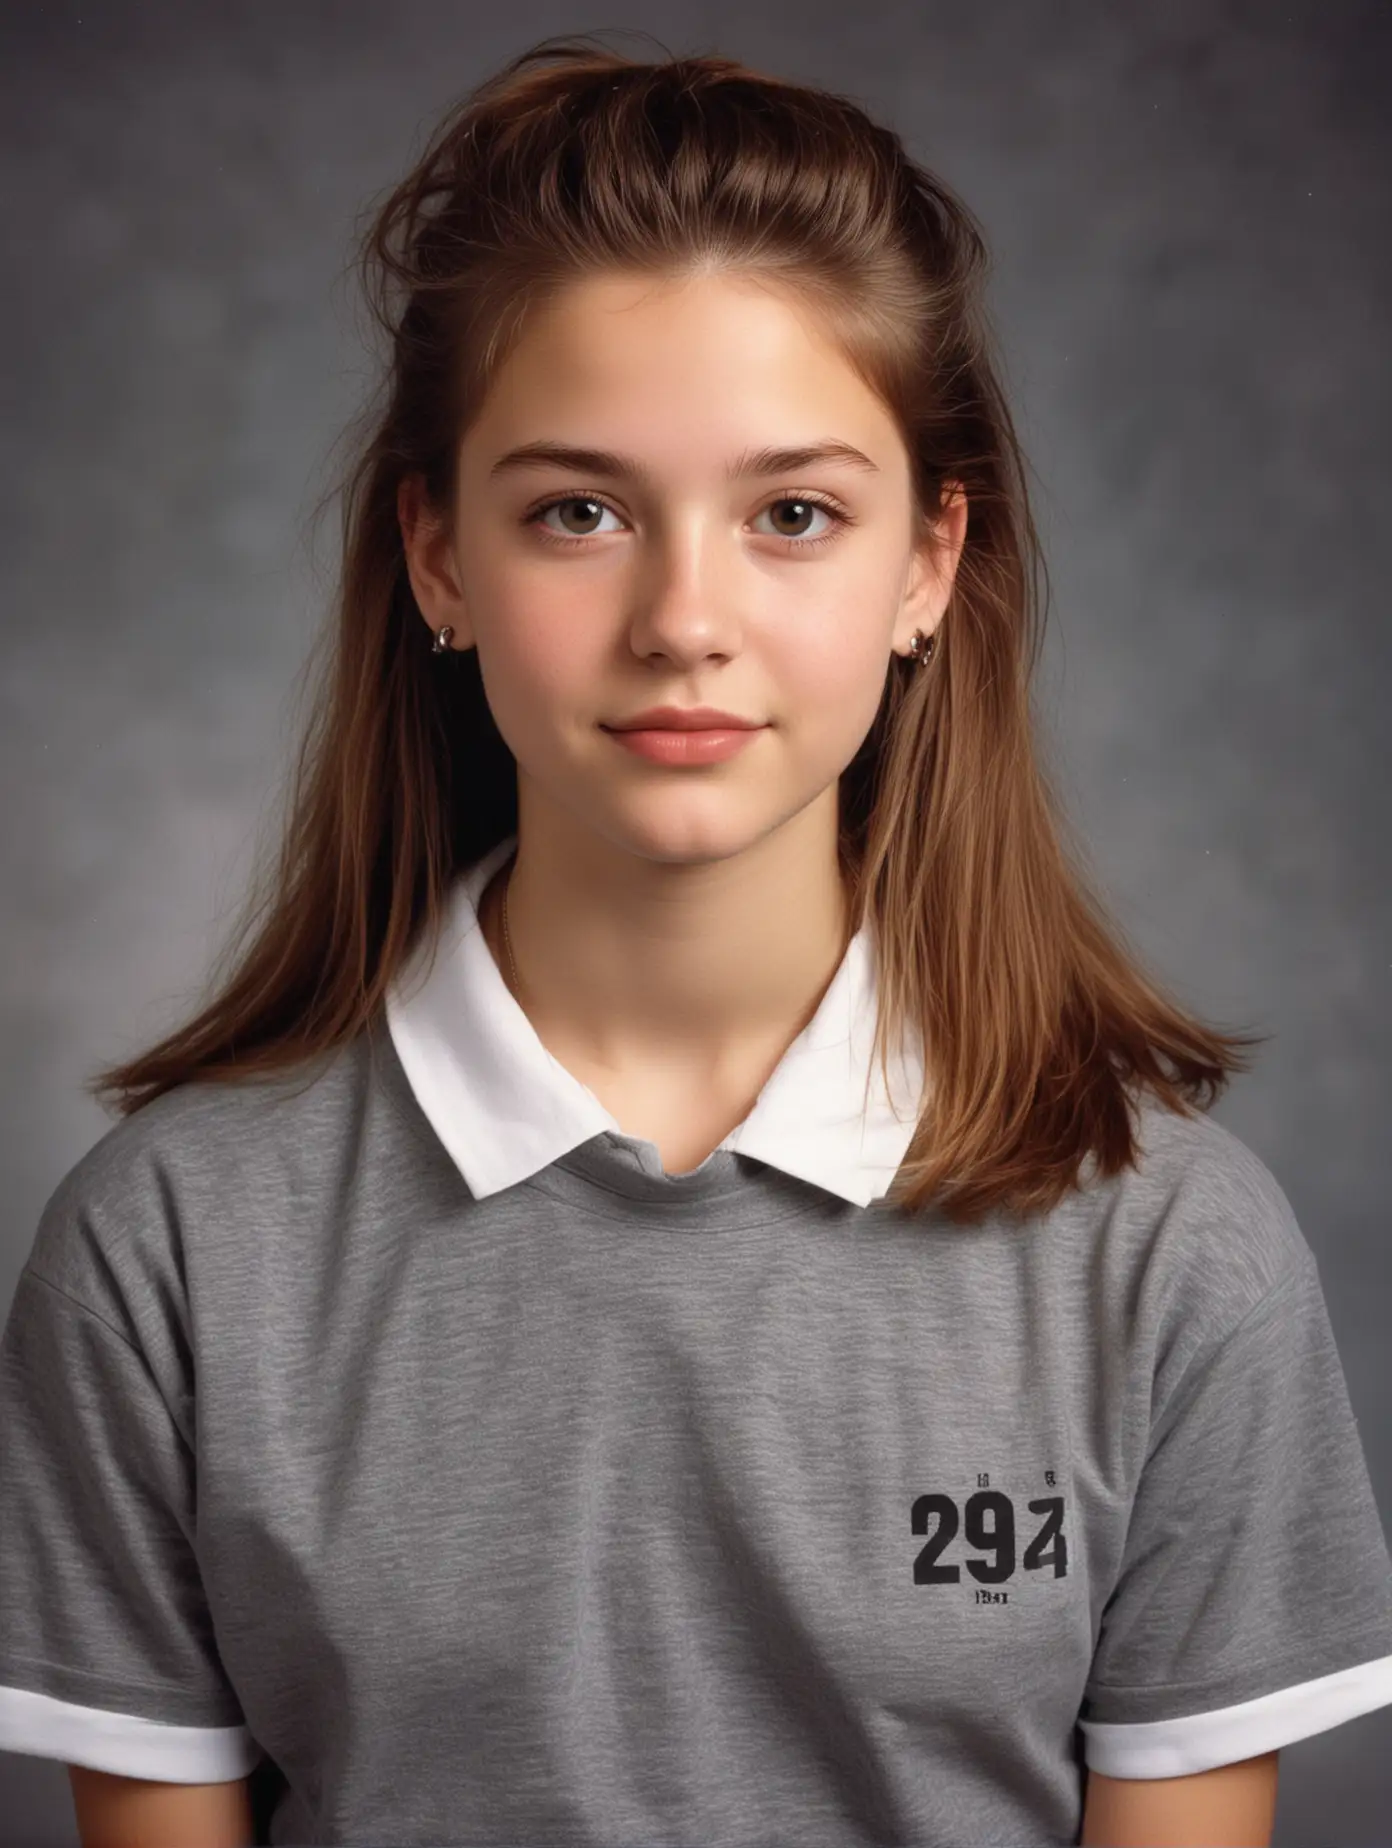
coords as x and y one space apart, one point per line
685 748
693 718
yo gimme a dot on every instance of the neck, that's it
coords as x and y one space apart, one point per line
627 960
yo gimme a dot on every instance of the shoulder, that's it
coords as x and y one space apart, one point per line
1206 1185
121 1226
1195 1237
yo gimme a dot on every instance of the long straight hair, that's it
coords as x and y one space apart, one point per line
1038 1023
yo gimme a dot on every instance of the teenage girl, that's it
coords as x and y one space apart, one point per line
683 1289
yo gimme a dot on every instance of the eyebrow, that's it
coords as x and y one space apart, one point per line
752 463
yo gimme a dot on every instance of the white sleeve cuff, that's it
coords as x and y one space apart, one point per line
1221 1736
122 1742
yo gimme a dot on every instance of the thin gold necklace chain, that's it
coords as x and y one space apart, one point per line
507 938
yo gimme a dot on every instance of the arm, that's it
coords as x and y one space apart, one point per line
137 1812
1232 1806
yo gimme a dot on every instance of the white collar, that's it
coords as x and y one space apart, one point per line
505 1108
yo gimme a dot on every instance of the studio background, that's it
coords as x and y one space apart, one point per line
1188 212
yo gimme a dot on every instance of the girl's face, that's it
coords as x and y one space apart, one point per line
681 567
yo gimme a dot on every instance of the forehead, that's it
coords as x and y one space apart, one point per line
706 366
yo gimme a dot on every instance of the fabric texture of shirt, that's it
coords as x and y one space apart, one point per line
400 1430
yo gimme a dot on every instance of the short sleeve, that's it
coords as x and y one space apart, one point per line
107 1652
1253 1605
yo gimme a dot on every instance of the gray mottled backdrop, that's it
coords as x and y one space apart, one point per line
1188 208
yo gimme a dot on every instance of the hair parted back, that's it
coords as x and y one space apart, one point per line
1040 1026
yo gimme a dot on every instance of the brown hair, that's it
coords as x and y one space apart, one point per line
1039 1024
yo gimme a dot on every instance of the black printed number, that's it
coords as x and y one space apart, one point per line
1049 1546
989 1523
926 1569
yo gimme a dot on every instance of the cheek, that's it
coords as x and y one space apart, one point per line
540 671
829 684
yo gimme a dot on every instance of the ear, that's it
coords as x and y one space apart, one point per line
933 567
428 546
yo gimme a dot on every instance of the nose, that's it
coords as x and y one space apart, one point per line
684 603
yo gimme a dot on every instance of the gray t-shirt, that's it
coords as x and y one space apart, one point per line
610 1506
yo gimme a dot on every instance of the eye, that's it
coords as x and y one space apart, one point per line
587 501
803 504
596 506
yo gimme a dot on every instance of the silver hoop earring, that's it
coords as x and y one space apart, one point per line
921 647
441 643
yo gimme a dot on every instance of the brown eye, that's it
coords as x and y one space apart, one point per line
802 508
591 506
593 511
